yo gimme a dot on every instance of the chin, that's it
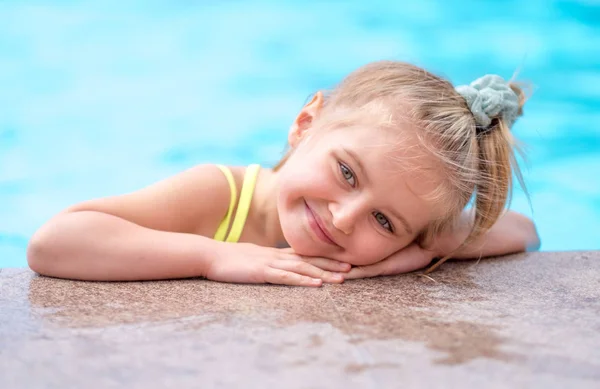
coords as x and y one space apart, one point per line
300 244
297 238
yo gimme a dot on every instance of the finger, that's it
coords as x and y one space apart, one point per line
301 267
283 277
323 263
404 261
327 264
364 271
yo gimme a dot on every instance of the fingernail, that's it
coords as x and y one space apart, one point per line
338 276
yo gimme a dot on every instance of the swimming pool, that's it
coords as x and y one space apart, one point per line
102 99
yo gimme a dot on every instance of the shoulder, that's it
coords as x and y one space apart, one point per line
193 201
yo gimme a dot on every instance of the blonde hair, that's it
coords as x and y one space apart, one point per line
476 164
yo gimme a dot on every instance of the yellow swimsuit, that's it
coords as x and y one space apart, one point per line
243 207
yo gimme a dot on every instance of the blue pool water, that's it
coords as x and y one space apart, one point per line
103 98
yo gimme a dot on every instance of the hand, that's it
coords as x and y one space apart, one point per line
250 263
410 258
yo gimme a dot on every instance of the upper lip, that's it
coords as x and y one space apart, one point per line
322 225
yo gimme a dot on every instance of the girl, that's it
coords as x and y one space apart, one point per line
377 176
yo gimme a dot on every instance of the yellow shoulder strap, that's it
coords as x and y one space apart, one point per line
244 205
222 230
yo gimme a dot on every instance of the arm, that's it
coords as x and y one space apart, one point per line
165 231
512 233
90 245
153 233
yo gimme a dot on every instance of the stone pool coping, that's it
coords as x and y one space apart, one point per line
528 320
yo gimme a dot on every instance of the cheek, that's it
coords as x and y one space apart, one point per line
368 254
373 248
312 180
292 220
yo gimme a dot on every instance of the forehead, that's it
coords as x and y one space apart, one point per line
392 152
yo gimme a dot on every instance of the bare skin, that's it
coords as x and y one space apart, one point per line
165 231
337 180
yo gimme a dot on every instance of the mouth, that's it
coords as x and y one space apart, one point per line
317 226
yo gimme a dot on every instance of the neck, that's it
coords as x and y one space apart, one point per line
265 200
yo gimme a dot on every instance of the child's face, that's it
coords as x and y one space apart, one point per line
367 212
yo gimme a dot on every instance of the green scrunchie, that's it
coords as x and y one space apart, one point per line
489 97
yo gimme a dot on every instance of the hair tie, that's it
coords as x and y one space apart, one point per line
489 97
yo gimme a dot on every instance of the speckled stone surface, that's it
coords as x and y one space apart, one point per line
530 320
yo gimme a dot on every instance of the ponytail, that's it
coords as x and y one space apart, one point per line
496 164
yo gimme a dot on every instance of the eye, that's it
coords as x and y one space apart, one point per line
383 221
347 174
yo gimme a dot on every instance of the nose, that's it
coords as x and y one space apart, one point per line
345 214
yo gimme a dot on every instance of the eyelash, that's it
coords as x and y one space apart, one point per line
346 170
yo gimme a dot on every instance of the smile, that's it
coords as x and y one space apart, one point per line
317 227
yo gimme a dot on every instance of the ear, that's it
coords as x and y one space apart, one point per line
305 118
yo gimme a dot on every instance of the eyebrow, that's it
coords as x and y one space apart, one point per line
403 221
363 171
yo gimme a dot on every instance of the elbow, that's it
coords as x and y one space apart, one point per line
46 246
532 238
534 242
39 250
